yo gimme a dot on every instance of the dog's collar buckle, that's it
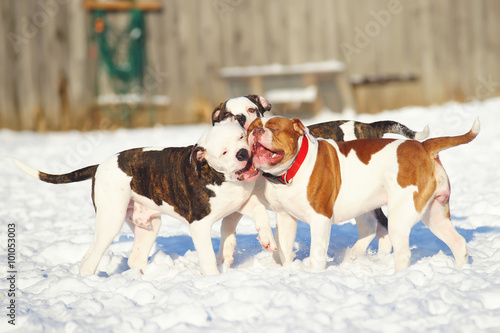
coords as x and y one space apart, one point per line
277 179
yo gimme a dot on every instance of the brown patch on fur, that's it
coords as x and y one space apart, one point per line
416 168
435 145
285 136
324 184
364 148
169 176
256 123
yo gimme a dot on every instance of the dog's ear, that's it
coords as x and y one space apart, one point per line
298 126
217 113
260 101
198 158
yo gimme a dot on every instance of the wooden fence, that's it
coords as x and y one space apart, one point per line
48 67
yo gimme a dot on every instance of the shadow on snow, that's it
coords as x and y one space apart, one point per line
423 243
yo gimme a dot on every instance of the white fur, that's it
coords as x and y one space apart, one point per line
242 105
348 129
27 169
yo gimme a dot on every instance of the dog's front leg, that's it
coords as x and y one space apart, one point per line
255 209
286 230
320 238
200 232
228 238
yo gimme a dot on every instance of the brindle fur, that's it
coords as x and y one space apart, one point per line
158 176
375 130
75 176
171 175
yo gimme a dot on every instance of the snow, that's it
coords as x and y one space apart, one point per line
55 226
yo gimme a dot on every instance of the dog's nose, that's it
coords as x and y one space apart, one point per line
258 131
242 155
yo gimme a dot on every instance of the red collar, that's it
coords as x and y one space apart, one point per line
287 177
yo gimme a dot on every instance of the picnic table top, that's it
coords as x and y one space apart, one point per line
330 66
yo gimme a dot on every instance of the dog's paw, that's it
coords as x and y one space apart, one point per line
224 267
268 243
226 260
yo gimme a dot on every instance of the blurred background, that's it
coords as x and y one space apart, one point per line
85 64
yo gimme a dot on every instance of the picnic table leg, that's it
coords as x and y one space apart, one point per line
346 93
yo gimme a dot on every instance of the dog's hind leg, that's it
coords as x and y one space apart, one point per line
228 238
109 221
111 198
143 242
402 217
366 224
437 219
384 243
320 238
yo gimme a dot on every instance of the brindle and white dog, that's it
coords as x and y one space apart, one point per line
245 109
197 184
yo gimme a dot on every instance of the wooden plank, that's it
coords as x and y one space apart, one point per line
122 5
27 95
413 45
331 34
189 61
176 51
49 60
210 42
8 114
297 32
492 50
258 32
428 64
78 65
275 42
459 51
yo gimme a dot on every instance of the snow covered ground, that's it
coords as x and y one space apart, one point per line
55 225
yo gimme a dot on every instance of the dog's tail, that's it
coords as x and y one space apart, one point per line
389 126
71 177
435 145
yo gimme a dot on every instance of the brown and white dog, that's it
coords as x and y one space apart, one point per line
329 182
198 185
245 109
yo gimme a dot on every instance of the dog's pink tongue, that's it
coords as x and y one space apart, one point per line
263 155
249 174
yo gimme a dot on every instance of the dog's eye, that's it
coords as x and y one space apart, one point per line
224 153
253 110
242 136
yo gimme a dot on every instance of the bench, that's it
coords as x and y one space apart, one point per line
294 90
